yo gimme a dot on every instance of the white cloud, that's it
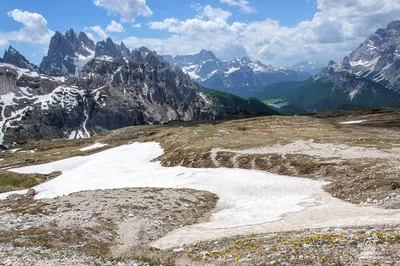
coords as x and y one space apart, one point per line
136 25
3 43
196 6
127 9
115 27
334 31
244 5
216 13
34 28
99 31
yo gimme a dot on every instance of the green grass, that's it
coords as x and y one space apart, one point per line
10 181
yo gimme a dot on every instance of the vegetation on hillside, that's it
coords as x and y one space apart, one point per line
227 104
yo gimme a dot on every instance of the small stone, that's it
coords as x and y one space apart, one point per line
31 192
395 185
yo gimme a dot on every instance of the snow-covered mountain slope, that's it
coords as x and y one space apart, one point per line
314 68
67 53
239 76
110 93
377 58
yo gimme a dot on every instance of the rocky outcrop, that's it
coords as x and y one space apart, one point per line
67 54
8 78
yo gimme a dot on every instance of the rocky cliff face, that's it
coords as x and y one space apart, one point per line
67 54
111 92
377 58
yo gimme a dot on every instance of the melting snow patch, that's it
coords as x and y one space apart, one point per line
249 201
94 146
353 94
353 122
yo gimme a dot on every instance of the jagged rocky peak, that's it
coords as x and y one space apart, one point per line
394 25
144 51
331 64
346 64
207 55
13 57
87 42
110 48
125 50
67 53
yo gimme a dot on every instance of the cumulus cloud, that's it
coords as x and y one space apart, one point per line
333 32
127 9
34 28
3 43
216 13
136 25
244 5
115 27
99 31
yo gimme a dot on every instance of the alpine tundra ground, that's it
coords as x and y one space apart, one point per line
360 159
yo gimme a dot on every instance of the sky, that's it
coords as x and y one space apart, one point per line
277 32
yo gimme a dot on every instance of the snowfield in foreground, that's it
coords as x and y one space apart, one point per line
250 201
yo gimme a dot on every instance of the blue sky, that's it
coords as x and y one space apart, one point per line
278 32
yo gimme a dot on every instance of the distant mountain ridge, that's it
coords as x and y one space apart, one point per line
240 76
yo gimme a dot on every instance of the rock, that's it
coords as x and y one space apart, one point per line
31 193
177 250
395 185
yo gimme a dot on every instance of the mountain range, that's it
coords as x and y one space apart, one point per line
82 88
240 76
